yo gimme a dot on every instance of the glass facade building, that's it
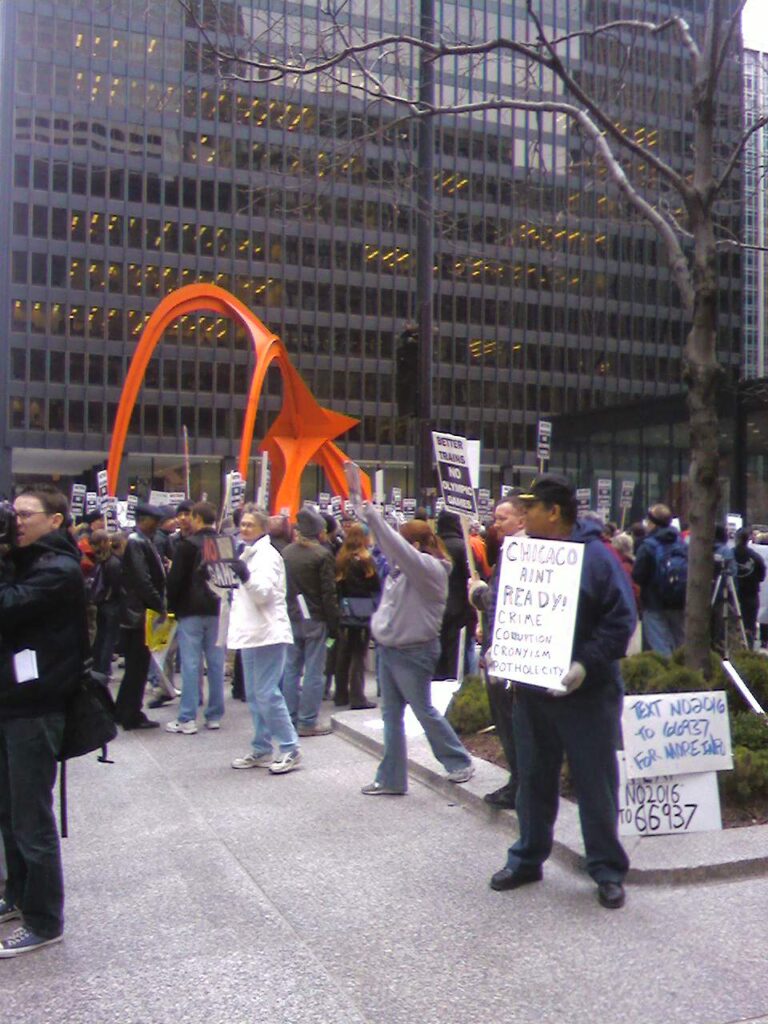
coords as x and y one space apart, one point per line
755 217
136 159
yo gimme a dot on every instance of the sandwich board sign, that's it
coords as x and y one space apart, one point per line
536 610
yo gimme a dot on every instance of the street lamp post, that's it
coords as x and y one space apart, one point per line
425 258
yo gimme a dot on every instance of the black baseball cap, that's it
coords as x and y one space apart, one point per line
551 489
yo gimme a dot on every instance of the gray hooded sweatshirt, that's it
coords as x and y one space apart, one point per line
415 591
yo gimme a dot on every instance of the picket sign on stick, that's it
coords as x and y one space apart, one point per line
453 460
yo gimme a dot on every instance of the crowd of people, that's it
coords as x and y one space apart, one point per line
298 612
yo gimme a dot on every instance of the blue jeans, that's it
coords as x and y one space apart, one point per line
35 884
197 637
406 678
307 653
263 669
663 630
586 728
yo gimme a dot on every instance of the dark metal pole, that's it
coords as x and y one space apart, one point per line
425 258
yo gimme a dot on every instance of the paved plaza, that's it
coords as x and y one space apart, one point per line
200 894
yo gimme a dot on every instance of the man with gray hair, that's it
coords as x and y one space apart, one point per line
313 609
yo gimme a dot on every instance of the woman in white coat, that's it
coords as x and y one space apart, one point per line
260 629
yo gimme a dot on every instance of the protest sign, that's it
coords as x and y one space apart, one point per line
733 523
324 500
159 498
409 507
236 491
452 459
102 485
265 476
668 804
336 505
483 501
627 494
91 502
109 508
536 610
604 498
583 500
543 443
175 498
130 509
676 733
77 500
397 496
378 487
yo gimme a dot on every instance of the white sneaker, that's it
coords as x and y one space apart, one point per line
254 761
214 723
188 728
462 774
286 762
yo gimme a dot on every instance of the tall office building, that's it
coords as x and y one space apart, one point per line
755 218
135 160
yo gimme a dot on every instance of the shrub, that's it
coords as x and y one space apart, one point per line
749 778
469 710
753 669
639 671
748 730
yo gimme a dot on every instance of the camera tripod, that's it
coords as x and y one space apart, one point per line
728 616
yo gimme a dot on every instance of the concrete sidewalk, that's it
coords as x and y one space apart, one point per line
670 859
200 894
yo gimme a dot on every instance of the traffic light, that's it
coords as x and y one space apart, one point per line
407 372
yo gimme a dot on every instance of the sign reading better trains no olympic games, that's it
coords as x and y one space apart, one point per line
452 457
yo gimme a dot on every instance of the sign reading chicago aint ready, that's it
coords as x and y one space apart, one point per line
536 610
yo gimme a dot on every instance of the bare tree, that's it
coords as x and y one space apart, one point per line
682 203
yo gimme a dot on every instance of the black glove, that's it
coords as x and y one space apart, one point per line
240 569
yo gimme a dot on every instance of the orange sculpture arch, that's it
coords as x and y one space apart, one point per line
302 433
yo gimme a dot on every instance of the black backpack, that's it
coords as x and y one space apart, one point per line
671 576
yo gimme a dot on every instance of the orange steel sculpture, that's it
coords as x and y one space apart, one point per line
303 431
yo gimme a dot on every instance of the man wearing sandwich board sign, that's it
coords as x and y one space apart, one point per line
576 712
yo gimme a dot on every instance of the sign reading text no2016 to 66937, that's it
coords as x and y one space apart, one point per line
452 457
676 733
536 610
667 804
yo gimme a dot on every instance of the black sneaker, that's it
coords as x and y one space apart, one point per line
8 912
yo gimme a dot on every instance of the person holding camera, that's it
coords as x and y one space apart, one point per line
43 633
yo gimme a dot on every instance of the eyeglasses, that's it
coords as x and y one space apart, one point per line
28 515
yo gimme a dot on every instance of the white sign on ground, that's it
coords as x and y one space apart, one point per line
453 469
536 610
676 733
668 804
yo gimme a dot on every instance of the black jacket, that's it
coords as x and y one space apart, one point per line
188 591
142 582
310 570
42 608
458 607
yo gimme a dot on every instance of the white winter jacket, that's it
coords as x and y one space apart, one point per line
259 615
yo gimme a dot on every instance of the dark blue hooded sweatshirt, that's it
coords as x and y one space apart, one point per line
605 617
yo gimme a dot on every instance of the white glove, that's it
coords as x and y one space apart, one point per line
571 681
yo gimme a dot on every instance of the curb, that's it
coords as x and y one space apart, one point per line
695 858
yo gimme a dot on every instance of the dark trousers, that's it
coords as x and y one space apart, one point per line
35 883
130 696
586 728
238 683
107 629
502 702
350 666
